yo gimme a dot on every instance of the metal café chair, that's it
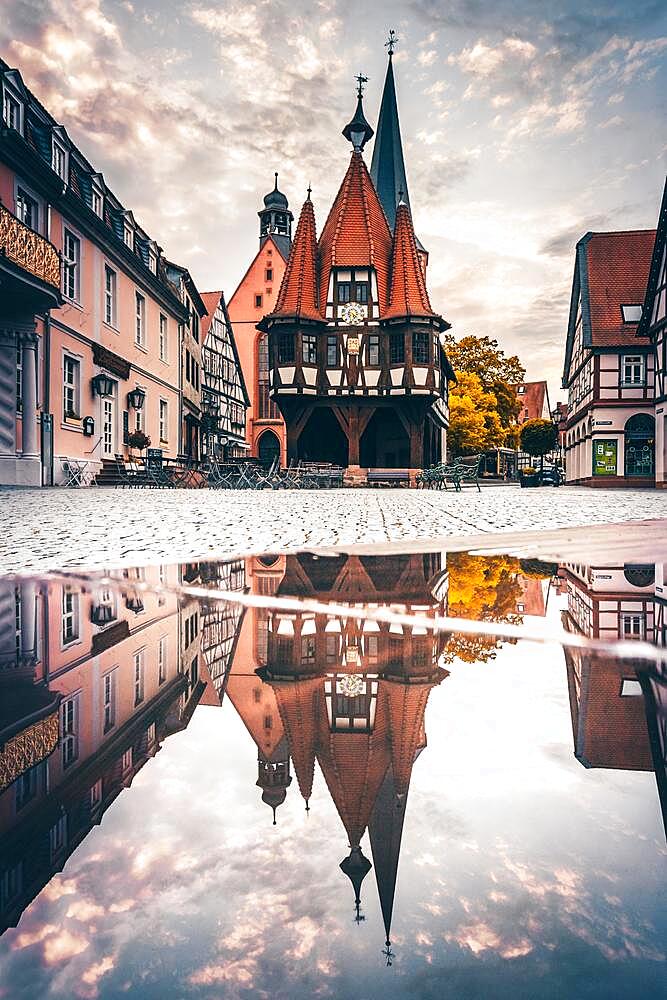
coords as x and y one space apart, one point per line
71 473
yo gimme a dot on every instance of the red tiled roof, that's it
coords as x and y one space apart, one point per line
532 399
298 290
211 301
408 295
618 266
356 233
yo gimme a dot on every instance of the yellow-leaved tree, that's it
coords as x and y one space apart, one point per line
474 421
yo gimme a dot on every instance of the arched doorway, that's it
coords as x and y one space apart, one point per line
640 446
268 448
385 443
322 439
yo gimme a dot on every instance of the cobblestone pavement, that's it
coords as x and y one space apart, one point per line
58 528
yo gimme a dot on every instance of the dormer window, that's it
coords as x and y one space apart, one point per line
59 160
152 261
631 314
97 201
344 291
361 291
12 110
521 390
128 235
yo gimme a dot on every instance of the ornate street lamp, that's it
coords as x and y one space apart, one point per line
102 385
136 399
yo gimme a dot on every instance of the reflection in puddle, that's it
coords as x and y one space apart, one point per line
509 850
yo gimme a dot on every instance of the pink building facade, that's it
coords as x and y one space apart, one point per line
90 325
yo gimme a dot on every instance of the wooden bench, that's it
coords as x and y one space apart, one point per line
388 477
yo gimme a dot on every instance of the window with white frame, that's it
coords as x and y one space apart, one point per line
58 835
71 380
152 261
69 729
164 420
71 265
109 699
138 677
633 626
59 160
163 337
633 370
97 201
139 418
12 110
70 616
162 660
27 209
11 884
140 320
110 292
96 794
128 235
631 314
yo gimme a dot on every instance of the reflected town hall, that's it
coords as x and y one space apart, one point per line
96 676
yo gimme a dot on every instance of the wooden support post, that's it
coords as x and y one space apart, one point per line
353 437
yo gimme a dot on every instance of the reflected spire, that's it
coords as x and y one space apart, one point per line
356 867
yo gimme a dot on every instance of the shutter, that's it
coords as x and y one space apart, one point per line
126 426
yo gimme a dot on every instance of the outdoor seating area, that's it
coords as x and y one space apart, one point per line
460 473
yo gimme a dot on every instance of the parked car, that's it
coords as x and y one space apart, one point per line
551 475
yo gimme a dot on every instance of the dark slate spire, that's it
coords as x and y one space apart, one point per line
387 165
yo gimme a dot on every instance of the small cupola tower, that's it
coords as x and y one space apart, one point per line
273 776
275 220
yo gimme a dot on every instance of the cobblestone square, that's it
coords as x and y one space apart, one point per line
52 529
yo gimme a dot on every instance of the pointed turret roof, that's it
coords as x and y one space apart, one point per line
298 706
408 295
387 165
356 233
298 291
386 830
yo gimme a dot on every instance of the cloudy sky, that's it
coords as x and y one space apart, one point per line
525 124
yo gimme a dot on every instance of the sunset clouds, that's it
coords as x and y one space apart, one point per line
522 126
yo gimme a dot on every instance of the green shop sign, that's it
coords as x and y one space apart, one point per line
604 458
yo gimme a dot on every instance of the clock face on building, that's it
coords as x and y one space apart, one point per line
352 314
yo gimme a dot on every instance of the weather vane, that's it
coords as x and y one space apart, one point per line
388 953
390 45
361 80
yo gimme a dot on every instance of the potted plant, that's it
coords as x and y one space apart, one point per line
538 438
529 476
137 439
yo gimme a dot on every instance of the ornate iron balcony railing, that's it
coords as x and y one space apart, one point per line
28 249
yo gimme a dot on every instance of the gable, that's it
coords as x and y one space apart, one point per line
241 304
654 310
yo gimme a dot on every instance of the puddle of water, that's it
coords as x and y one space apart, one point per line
361 775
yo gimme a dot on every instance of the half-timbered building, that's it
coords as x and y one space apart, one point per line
609 372
653 329
224 397
357 366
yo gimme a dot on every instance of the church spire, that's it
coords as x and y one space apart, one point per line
387 165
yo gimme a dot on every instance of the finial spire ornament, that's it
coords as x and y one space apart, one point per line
309 191
387 952
358 131
391 42
275 187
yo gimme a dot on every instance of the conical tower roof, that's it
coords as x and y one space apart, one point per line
388 165
298 706
386 830
356 233
297 297
408 295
